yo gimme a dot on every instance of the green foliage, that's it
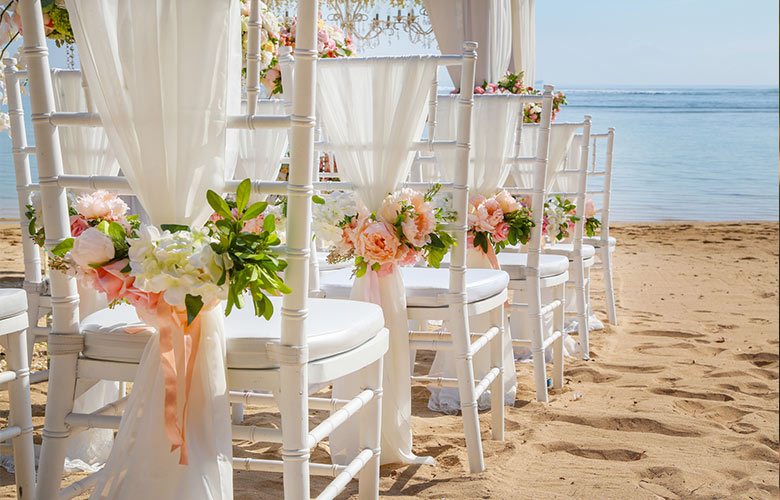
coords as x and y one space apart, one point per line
250 265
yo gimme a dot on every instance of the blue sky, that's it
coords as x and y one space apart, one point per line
606 43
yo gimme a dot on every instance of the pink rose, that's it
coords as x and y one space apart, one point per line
507 202
408 256
590 208
254 225
100 205
377 243
501 232
391 205
418 229
470 239
112 281
479 90
77 225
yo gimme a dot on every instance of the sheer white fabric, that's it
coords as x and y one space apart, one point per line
372 110
487 22
493 125
561 135
524 39
260 150
85 150
164 77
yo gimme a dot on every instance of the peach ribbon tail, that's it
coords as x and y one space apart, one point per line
179 344
491 255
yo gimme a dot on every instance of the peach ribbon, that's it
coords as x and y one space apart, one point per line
178 350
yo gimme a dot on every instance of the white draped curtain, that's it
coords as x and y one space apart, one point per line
487 22
372 110
524 39
164 76
561 136
260 151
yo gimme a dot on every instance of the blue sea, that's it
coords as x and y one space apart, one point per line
703 154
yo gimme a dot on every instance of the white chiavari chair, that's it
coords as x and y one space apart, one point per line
570 183
538 281
604 243
13 331
452 295
306 342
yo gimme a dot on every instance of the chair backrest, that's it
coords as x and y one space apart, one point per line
373 113
602 192
53 182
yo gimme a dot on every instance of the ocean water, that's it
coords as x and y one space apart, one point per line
680 154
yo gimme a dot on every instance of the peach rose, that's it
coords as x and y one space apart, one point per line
507 202
407 256
254 225
418 229
486 216
590 208
501 232
391 206
377 243
100 205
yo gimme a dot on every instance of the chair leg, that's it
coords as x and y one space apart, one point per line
370 433
606 265
536 330
468 401
294 407
59 403
21 415
559 325
582 315
498 318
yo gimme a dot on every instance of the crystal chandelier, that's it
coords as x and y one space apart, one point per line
365 21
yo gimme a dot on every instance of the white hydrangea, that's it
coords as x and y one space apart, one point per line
177 264
557 218
326 216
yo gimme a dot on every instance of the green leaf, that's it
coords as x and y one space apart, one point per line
194 304
103 227
63 247
219 204
126 269
318 200
116 231
254 210
269 224
242 195
174 228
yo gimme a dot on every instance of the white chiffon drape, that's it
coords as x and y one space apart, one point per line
487 22
260 151
561 136
372 110
164 76
493 125
524 39
85 151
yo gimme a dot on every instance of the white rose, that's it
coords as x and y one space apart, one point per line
92 247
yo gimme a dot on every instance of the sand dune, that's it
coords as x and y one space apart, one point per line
679 402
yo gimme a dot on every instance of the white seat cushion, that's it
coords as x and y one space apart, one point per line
335 326
516 264
424 285
13 302
596 241
567 249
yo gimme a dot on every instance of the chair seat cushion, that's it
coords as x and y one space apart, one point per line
567 250
424 285
516 264
596 241
13 302
335 326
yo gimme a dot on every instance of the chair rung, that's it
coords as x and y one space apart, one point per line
7 376
93 421
10 432
436 381
438 336
79 487
255 398
549 340
555 304
482 341
522 343
256 434
348 474
431 345
485 382
264 465
327 426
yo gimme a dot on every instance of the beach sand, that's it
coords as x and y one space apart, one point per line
679 401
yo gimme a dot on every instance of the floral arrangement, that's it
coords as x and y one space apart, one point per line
407 228
328 213
56 22
269 39
560 216
188 269
498 221
512 83
331 43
